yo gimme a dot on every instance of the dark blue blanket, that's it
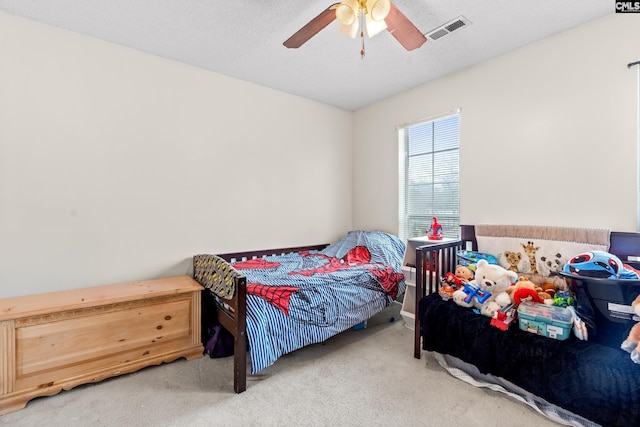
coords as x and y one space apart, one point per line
599 383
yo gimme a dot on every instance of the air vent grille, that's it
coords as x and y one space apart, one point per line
438 33
443 30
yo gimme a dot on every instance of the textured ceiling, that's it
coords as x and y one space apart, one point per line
243 38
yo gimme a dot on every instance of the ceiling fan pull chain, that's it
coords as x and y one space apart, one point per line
362 21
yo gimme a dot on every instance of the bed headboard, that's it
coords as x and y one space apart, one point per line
266 252
624 245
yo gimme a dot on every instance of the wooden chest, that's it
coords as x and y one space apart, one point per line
55 341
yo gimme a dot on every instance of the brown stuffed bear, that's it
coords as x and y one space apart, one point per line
454 281
526 289
632 343
464 273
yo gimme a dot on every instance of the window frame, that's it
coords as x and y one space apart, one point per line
451 221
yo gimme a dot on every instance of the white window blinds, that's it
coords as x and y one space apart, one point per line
429 177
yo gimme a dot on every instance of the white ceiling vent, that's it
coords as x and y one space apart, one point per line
443 30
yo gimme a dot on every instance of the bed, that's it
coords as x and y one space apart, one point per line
276 301
573 382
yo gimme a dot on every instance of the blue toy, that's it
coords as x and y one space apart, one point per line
473 290
471 258
598 264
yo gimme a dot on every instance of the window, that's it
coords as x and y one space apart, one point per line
429 176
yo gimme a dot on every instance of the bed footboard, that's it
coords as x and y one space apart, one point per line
229 288
432 263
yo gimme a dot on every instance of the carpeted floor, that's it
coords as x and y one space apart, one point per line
358 378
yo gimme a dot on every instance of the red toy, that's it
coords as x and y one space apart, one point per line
435 230
524 293
452 279
446 290
449 284
504 317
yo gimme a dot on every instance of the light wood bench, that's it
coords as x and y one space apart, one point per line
58 340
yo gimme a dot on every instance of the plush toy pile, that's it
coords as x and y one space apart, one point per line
487 292
526 289
495 291
451 282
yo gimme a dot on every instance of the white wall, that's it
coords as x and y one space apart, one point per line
113 163
548 134
117 165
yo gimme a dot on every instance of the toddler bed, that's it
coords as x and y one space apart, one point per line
573 382
278 301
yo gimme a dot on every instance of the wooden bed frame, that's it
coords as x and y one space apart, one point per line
432 263
435 261
233 316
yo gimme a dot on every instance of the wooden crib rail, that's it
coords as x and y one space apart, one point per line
432 263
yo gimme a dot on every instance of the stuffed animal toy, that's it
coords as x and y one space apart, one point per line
465 274
454 281
550 288
632 343
489 279
526 289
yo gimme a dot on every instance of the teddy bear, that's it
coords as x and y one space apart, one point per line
451 282
526 289
487 291
464 273
632 343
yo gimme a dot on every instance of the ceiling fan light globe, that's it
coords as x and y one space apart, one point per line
378 9
375 27
350 30
347 12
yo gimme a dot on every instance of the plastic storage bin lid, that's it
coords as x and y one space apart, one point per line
468 258
550 312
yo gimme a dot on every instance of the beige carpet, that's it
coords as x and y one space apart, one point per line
359 378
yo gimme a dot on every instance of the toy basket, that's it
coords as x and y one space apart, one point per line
605 306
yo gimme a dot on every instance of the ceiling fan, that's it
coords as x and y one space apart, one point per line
374 15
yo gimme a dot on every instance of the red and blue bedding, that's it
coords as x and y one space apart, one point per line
303 298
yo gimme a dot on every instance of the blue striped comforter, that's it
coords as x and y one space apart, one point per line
303 298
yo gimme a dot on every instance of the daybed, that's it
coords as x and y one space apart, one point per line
277 301
572 381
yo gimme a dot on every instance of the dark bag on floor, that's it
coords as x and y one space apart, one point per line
218 342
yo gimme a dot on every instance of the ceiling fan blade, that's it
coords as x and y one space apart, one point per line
403 30
312 28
